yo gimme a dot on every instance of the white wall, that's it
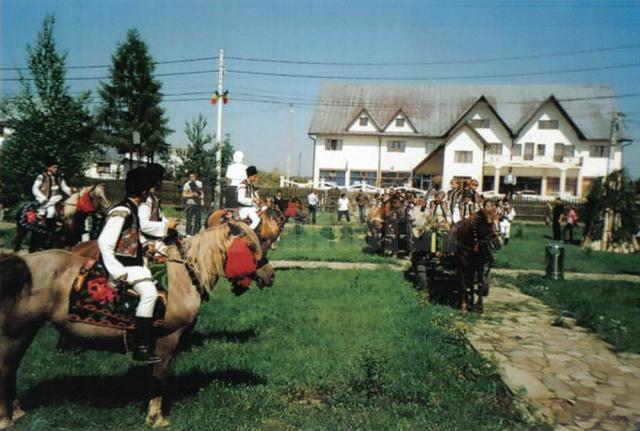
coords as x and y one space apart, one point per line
356 127
360 153
392 128
462 140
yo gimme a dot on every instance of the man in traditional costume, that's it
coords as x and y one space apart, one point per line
248 199
453 198
467 207
50 189
506 213
154 226
122 256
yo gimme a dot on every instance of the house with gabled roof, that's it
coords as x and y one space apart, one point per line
556 139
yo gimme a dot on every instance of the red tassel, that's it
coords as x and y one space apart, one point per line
241 265
476 248
85 205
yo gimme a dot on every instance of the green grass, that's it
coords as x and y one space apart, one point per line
7 232
526 251
320 350
609 308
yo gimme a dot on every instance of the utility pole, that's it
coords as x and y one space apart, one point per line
299 165
219 137
613 141
289 141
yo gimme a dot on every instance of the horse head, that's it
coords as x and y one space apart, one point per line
487 227
271 227
98 195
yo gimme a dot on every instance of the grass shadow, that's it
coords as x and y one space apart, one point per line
197 338
133 386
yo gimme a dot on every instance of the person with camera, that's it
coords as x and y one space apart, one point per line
193 195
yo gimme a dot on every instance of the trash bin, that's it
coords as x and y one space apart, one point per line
554 254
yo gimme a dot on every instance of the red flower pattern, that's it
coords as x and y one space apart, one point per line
101 291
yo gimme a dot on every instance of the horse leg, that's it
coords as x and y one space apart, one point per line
17 241
165 348
11 352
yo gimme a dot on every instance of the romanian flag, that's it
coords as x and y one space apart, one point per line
216 96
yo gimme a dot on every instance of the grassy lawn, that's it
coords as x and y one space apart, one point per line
320 350
609 308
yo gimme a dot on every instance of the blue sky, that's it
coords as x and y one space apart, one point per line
331 31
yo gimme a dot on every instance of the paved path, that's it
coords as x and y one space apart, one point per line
575 380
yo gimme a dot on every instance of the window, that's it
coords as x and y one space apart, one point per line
399 122
569 150
359 177
395 178
494 149
553 185
480 123
429 147
528 150
540 150
364 121
599 151
558 153
463 156
103 168
396 146
333 145
516 150
548 124
336 177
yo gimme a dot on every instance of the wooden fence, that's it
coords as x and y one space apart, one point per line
527 208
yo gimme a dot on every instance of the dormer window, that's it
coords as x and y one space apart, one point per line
400 122
547 124
363 121
480 123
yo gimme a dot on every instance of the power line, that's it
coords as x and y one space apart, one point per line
435 78
431 63
93 78
354 63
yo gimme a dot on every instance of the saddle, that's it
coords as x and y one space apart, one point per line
96 300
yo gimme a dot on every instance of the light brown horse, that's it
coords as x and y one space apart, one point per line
74 212
271 225
35 289
475 238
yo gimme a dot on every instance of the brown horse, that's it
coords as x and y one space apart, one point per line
35 289
475 238
74 212
271 225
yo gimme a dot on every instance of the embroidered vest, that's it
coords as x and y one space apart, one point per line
47 184
128 248
434 210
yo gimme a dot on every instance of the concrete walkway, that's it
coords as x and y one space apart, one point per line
574 378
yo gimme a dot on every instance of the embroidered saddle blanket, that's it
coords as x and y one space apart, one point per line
95 300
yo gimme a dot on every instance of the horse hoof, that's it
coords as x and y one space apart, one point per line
18 413
157 421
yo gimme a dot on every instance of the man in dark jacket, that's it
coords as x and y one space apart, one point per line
363 204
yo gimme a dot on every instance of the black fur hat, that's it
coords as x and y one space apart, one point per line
251 170
50 161
137 182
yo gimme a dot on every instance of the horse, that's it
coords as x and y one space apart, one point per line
37 289
475 238
74 212
375 221
271 225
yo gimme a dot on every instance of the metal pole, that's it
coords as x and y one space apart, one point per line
219 137
613 142
289 142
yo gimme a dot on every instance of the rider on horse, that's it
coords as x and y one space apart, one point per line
50 189
121 253
153 225
248 199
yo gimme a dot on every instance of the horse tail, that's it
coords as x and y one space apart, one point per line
15 276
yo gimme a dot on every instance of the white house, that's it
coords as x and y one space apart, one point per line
555 138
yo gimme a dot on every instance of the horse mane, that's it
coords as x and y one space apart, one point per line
70 208
207 251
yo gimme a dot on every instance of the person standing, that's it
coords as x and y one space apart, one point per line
312 204
363 204
557 214
509 182
453 199
572 220
122 256
194 200
466 208
248 199
343 207
280 202
506 215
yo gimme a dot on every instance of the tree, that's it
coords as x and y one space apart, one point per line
610 215
46 121
131 102
202 160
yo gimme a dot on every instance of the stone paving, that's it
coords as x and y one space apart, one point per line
571 377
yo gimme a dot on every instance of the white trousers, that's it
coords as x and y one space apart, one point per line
48 208
142 281
505 228
250 212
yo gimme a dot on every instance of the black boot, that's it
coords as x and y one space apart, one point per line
506 241
142 351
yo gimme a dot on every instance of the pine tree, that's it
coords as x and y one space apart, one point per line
46 121
131 102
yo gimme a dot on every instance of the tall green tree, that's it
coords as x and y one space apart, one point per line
201 158
131 102
46 121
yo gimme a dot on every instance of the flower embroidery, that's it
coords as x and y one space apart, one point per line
100 290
